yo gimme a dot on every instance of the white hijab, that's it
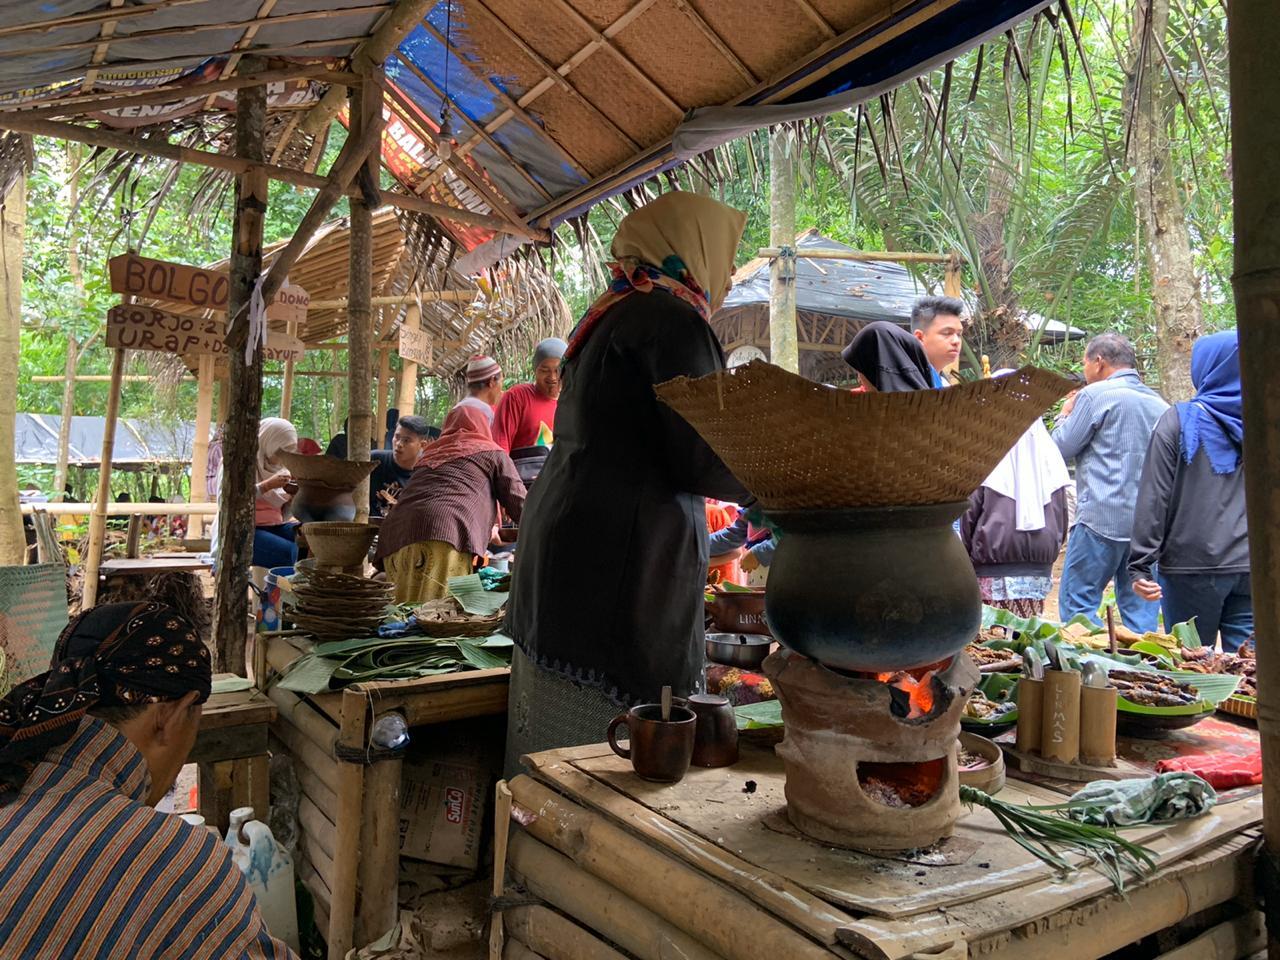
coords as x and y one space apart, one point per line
1030 474
275 435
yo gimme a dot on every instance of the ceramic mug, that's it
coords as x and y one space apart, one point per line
715 741
660 750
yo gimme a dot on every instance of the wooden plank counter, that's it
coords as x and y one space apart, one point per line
232 753
713 860
349 813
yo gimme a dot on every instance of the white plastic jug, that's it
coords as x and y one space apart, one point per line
268 869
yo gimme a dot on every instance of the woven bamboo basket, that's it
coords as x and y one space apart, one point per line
800 445
330 471
445 618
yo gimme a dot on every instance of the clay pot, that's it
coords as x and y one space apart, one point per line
872 589
325 486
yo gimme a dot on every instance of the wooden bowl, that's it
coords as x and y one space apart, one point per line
988 779
330 471
338 544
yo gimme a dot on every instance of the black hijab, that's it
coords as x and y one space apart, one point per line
890 358
115 655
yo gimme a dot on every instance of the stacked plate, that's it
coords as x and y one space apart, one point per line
338 606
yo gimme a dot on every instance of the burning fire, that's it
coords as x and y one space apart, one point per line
919 691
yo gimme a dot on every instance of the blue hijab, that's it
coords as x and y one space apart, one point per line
1213 418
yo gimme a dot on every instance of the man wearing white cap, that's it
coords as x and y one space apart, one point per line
484 385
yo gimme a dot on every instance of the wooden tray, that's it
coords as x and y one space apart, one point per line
1029 762
1240 707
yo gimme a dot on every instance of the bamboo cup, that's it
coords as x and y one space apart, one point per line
1030 708
1060 730
1098 725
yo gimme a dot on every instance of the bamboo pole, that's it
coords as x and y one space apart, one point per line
783 348
687 899
379 849
286 386
552 936
346 854
861 256
408 368
64 424
240 438
200 446
600 907
382 390
122 509
98 519
365 108
13 220
1253 35
154 147
426 296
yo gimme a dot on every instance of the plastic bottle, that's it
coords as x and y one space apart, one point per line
268 869
390 731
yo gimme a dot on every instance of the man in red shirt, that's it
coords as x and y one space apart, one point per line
526 415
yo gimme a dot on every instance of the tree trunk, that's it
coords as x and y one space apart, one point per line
1175 288
784 349
240 439
1253 37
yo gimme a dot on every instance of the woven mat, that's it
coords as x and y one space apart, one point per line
800 445
33 611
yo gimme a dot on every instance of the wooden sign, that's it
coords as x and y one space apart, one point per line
195 286
135 327
415 345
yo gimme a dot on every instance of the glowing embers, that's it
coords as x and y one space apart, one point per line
871 759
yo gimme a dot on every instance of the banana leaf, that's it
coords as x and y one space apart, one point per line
1213 688
759 716
475 599
480 658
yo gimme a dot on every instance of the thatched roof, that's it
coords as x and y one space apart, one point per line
550 105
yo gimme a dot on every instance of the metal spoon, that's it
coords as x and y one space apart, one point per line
1051 651
1032 668
1093 674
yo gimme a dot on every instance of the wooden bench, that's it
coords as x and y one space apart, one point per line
233 754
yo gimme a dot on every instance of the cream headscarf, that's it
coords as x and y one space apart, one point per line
702 232
274 436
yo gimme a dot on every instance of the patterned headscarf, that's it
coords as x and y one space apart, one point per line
115 655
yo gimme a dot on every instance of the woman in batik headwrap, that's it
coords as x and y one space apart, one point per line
628 476
87 867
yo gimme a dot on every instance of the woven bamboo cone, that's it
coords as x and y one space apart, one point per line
1030 713
1098 725
1060 733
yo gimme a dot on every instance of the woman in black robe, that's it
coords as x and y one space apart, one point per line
607 600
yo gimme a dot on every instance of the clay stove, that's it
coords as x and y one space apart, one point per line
871 759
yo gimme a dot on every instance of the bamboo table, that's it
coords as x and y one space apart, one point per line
232 753
705 869
349 811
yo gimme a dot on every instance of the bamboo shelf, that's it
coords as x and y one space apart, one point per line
703 869
349 813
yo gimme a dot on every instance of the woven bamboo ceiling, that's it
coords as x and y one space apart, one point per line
552 104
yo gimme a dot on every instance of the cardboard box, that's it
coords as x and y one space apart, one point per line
442 809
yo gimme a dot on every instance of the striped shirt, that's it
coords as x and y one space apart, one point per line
88 871
1107 435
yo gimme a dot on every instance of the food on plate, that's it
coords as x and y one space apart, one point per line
1153 690
988 659
981 708
1242 665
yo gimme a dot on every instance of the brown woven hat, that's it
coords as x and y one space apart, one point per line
800 445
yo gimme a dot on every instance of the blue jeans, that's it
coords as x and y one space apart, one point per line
1218 601
274 546
1092 562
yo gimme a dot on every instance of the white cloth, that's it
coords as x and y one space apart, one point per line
1030 474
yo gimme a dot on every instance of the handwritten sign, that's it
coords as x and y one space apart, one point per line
195 286
135 327
415 345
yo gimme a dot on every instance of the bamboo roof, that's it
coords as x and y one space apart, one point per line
513 305
552 105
